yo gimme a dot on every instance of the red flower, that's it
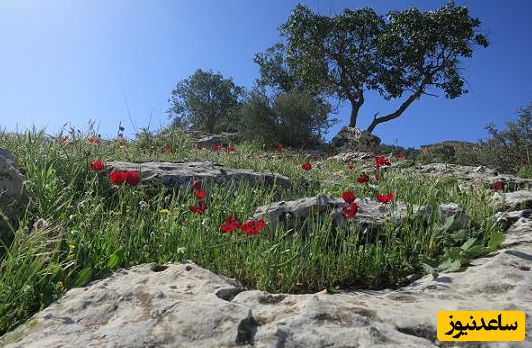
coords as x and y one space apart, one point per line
385 198
348 212
498 186
132 178
362 178
348 196
252 227
167 149
279 148
377 177
306 166
217 148
94 140
117 177
196 185
381 161
199 208
200 194
230 225
399 155
64 141
230 149
97 165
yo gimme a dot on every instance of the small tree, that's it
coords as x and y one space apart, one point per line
402 55
205 101
511 148
296 118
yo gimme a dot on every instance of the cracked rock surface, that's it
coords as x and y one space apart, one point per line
184 305
181 173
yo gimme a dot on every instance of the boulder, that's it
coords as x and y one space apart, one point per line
511 201
13 197
353 139
224 139
181 173
347 157
371 213
183 305
470 176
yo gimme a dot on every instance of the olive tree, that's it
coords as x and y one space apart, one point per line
206 101
403 55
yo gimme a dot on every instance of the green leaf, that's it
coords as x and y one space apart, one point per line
468 244
450 265
83 277
113 261
448 223
495 240
476 251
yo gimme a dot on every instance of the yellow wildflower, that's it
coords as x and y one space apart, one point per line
164 211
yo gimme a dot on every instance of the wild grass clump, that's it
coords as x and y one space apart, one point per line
79 226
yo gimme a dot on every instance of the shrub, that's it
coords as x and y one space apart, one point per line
509 149
296 118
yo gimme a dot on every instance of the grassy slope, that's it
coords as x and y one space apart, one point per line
96 227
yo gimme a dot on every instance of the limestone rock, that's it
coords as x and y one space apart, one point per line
347 157
13 197
183 305
353 139
511 201
371 213
473 176
224 139
181 173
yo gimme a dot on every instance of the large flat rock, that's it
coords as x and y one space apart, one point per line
183 305
181 173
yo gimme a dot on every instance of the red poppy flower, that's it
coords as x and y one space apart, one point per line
199 208
230 225
200 194
230 149
97 165
381 161
348 196
217 148
132 178
399 155
93 140
117 177
385 198
196 185
348 212
306 166
377 177
498 186
252 227
167 149
362 178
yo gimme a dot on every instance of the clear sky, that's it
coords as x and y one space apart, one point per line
68 61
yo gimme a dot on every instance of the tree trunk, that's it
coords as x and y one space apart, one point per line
355 107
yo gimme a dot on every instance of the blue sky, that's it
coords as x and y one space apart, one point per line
68 61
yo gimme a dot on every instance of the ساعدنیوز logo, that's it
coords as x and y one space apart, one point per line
481 326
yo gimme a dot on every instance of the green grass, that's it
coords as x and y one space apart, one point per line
95 228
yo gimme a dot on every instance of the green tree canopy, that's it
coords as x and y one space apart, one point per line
205 101
402 55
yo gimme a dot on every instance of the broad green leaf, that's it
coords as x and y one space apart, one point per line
83 277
